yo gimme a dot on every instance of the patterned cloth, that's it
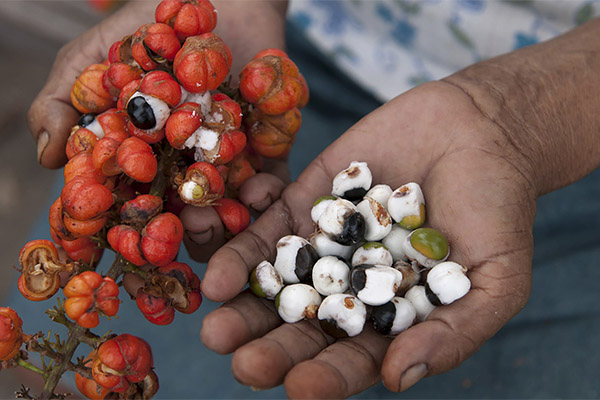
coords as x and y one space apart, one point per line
389 46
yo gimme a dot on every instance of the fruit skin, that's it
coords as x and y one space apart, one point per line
88 95
83 249
88 387
140 210
155 309
161 239
121 361
203 62
11 333
182 286
209 180
88 293
187 17
125 240
272 84
84 198
154 44
80 140
182 123
118 75
234 215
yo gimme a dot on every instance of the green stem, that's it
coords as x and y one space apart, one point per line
29 366
67 351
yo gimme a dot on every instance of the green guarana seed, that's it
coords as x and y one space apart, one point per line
429 242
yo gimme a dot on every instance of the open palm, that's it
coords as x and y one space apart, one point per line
477 194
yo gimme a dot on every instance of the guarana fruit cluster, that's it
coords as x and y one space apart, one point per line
369 260
161 127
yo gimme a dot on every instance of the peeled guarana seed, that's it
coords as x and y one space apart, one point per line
448 282
417 296
342 222
372 253
265 281
330 275
325 246
378 222
295 259
406 205
394 242
426 246
393 317
380 193
374 285
297 301
353 182
320 206
342 315
410 276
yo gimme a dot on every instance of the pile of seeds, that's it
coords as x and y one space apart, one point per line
369 259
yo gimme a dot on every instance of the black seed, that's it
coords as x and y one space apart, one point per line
86 119
306 258
353 230
382 318
140 113
432 297
354 194
358 278
331 328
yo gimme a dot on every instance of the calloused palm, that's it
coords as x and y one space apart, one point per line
51 115
477 193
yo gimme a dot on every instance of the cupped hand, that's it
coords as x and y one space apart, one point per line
51 115
478 192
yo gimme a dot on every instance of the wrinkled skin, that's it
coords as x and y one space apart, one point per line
476 193
51 115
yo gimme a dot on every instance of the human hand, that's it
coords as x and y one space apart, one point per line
51 115
479 193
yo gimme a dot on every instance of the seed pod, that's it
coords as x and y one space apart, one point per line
156 309
81 140
224 114
86 228
136 158
417 296
187 17
342 315
88 293
202 63
406 205
380 193
180 285
305 96
296 302
125 240
265 281
118 75
82 165
378 222
393 317
121 361
202 185
83 250
240 169
11 333
40 267
353 182
234 215
88 95
153 45
84 198
426 246
183 123
342 222
272 136
138 211
271 84
295 259
330 275
372 253
147 112
374 285
161 239
88 387
327 247
394 241
410 276
447 282
319 206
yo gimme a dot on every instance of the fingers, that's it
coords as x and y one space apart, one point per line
238 321
203 231
228 269
260 191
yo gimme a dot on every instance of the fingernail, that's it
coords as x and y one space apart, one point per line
200 237
42 142
412 375
260 206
